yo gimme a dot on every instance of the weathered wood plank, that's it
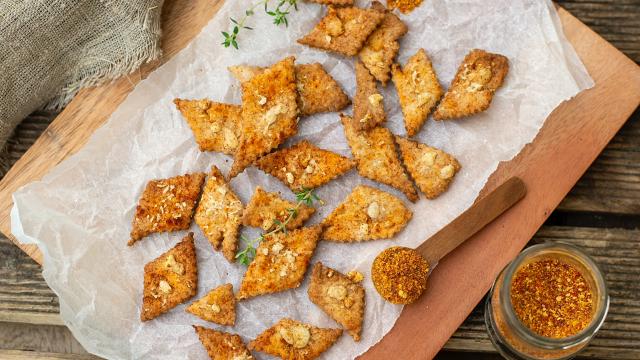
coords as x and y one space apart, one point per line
36 355
41 338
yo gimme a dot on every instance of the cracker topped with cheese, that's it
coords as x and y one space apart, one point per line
221 345
368 107
215 126
266 210
218 306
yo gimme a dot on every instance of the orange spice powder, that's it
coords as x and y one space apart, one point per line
552 298
405 6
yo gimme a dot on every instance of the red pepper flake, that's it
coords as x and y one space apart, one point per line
552 298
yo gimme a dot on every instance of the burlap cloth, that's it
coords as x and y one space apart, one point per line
50 49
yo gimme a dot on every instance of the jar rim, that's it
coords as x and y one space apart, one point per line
543 341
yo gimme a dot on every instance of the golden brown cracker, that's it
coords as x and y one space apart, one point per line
377 158
418 90
215 126
366 214
244 73
334 2
266 209
269 113
368 107
280 263
304 165
382 46
338 296
219 214
221 345
343 30
432 169
166 205
170 279
471 91
289 339
218 306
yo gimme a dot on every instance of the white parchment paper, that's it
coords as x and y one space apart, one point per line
80 213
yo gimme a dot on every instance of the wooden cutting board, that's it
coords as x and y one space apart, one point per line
572 137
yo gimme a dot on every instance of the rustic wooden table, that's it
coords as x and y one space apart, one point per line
601 214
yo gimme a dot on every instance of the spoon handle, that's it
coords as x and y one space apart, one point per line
472 220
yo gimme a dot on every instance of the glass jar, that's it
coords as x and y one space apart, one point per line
516 341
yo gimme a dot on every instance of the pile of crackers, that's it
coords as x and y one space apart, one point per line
274 100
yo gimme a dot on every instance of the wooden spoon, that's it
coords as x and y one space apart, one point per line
400 274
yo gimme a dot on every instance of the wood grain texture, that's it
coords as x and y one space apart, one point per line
182 21
26 337
38 355
617 252
549 166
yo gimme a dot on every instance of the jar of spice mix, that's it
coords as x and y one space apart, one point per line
548 303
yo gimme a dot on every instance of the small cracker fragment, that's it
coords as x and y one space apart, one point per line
280 263
377 158
218 306
432 169
219 214
382 45
366 214
479 76
343 30
170 279
334 2
317 91
338 296
269 113
166 205
265 207
368 107
418 90
215 126
221 345
289 339
304 165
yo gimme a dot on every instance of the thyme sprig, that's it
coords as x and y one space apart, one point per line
304 197
279 15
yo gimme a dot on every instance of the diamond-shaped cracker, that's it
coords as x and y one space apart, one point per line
218 306
366 214
219 214
215 126
170 279
289 339
377 158
382 45
418 90
266 209
166 205
317 91
280 263
368 107
343 30
221 345
333 2
478 77
431 168
339 296
304 165
269 113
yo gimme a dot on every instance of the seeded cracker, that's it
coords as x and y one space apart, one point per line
170 279
339 296
269 113
304 165
218 306
343 30
215 126
432 169
334 2
317 91
221 345
377 158
478 77
219 214
280 263
368 108
166 205
366 214
265 207
382 45
418 90
289 339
